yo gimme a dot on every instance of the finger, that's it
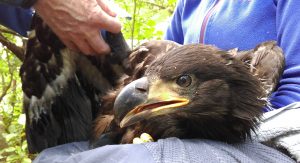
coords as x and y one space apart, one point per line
69 44
107 7
104 21
96 41
83 46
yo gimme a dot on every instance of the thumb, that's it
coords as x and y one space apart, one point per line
105 21
107 7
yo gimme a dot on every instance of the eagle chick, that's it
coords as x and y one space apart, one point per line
191 91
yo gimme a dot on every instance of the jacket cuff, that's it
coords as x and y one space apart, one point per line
28 3
19 3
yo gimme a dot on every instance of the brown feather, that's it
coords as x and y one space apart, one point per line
102 125
266 62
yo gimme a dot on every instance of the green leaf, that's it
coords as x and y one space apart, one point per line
10 149
12 158
22 119
24 145
8 137
26 160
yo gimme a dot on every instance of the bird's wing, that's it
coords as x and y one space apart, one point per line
266 61
62 88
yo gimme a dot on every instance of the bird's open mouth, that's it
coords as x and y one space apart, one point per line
141 100
152 108
160 105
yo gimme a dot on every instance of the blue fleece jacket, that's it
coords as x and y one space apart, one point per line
244 24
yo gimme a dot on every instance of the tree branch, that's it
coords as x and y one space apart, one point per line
9 31
11 82
133 23
158 6
5 89
18 51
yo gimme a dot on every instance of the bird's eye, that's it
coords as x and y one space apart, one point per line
184 81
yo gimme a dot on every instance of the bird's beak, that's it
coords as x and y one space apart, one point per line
141 100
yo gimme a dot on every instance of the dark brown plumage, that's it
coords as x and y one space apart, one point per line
191 91
63 89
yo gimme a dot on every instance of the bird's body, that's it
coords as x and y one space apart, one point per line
223 101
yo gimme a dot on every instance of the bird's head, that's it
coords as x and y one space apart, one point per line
199 84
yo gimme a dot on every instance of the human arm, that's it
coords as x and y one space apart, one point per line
174 31
17 19
165 150
288 38
77 23
19 3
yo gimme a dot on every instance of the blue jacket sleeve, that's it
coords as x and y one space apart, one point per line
164 150
17 19
174 31
79 152
288 37
12 2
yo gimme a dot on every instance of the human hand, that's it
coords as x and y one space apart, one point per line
78 22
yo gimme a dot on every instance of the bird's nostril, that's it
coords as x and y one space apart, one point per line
141 89
142 85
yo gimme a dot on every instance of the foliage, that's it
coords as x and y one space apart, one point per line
148 21
13 146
